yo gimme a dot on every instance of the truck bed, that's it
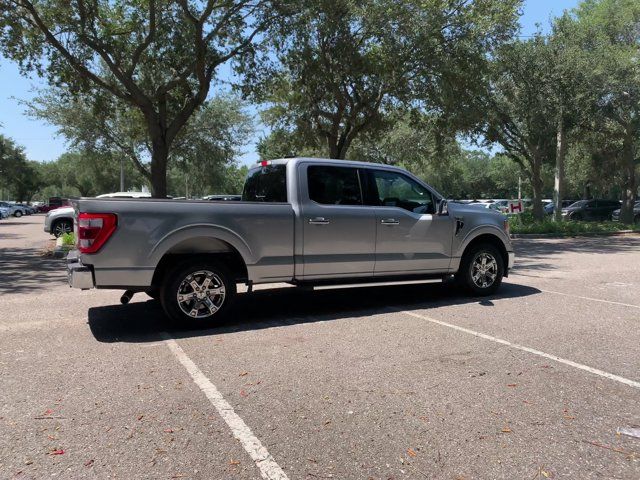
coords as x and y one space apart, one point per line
148 229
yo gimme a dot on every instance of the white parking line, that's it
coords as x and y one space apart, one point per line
549 356
268 467
592 299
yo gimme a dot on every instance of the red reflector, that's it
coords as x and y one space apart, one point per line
94 229
264 163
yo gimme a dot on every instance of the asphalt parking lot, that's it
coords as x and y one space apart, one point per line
384 383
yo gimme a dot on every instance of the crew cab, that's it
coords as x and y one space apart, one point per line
303 221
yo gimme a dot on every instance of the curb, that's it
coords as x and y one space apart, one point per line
620 233
60 250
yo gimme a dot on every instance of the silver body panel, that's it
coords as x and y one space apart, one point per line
277 241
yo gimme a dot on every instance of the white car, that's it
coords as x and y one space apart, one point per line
125 195
59 221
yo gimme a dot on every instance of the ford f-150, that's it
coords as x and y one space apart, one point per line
303 221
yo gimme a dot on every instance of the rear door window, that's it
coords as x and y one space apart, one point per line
266 184
329 185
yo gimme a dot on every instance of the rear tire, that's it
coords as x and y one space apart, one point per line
17 214
197 293
481 270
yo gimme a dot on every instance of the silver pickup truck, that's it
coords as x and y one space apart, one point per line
302 221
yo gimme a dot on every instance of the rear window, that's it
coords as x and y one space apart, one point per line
266 184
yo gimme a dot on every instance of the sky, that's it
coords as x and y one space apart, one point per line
41 142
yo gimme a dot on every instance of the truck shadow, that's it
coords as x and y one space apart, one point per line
145 321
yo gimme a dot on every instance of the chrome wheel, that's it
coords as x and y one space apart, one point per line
201 294
61 228
484 270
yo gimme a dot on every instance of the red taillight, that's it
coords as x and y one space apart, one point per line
94 229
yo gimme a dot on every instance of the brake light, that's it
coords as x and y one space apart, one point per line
94 229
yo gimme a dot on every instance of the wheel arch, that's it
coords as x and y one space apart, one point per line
207 248
491 239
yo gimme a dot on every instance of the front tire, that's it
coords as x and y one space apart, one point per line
197 293
481 270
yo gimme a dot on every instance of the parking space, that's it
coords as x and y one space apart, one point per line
415 381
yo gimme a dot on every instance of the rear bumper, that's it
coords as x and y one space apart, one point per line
78 275
512 260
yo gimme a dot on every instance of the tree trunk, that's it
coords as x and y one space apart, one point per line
336 150
629 186
159 158
536 183
558 187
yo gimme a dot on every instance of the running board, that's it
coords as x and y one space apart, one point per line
376 284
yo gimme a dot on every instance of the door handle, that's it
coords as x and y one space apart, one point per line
390 221
318 221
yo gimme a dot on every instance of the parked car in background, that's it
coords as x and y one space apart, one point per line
591 210
223 198
549 208
4 212
59 221
125 195
615 216
28 209
52 204
491 206
16 210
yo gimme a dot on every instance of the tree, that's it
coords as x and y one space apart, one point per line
607 33
18 175
157 57
339 69
92 173
571 95
205 149
520 111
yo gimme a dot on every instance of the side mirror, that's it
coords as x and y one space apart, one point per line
443 208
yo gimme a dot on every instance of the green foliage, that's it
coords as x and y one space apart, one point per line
68 239
19 177
520 111
157 58
205 150
604 38
86 173
566 228
337 69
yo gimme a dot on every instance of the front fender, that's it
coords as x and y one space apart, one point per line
474 233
